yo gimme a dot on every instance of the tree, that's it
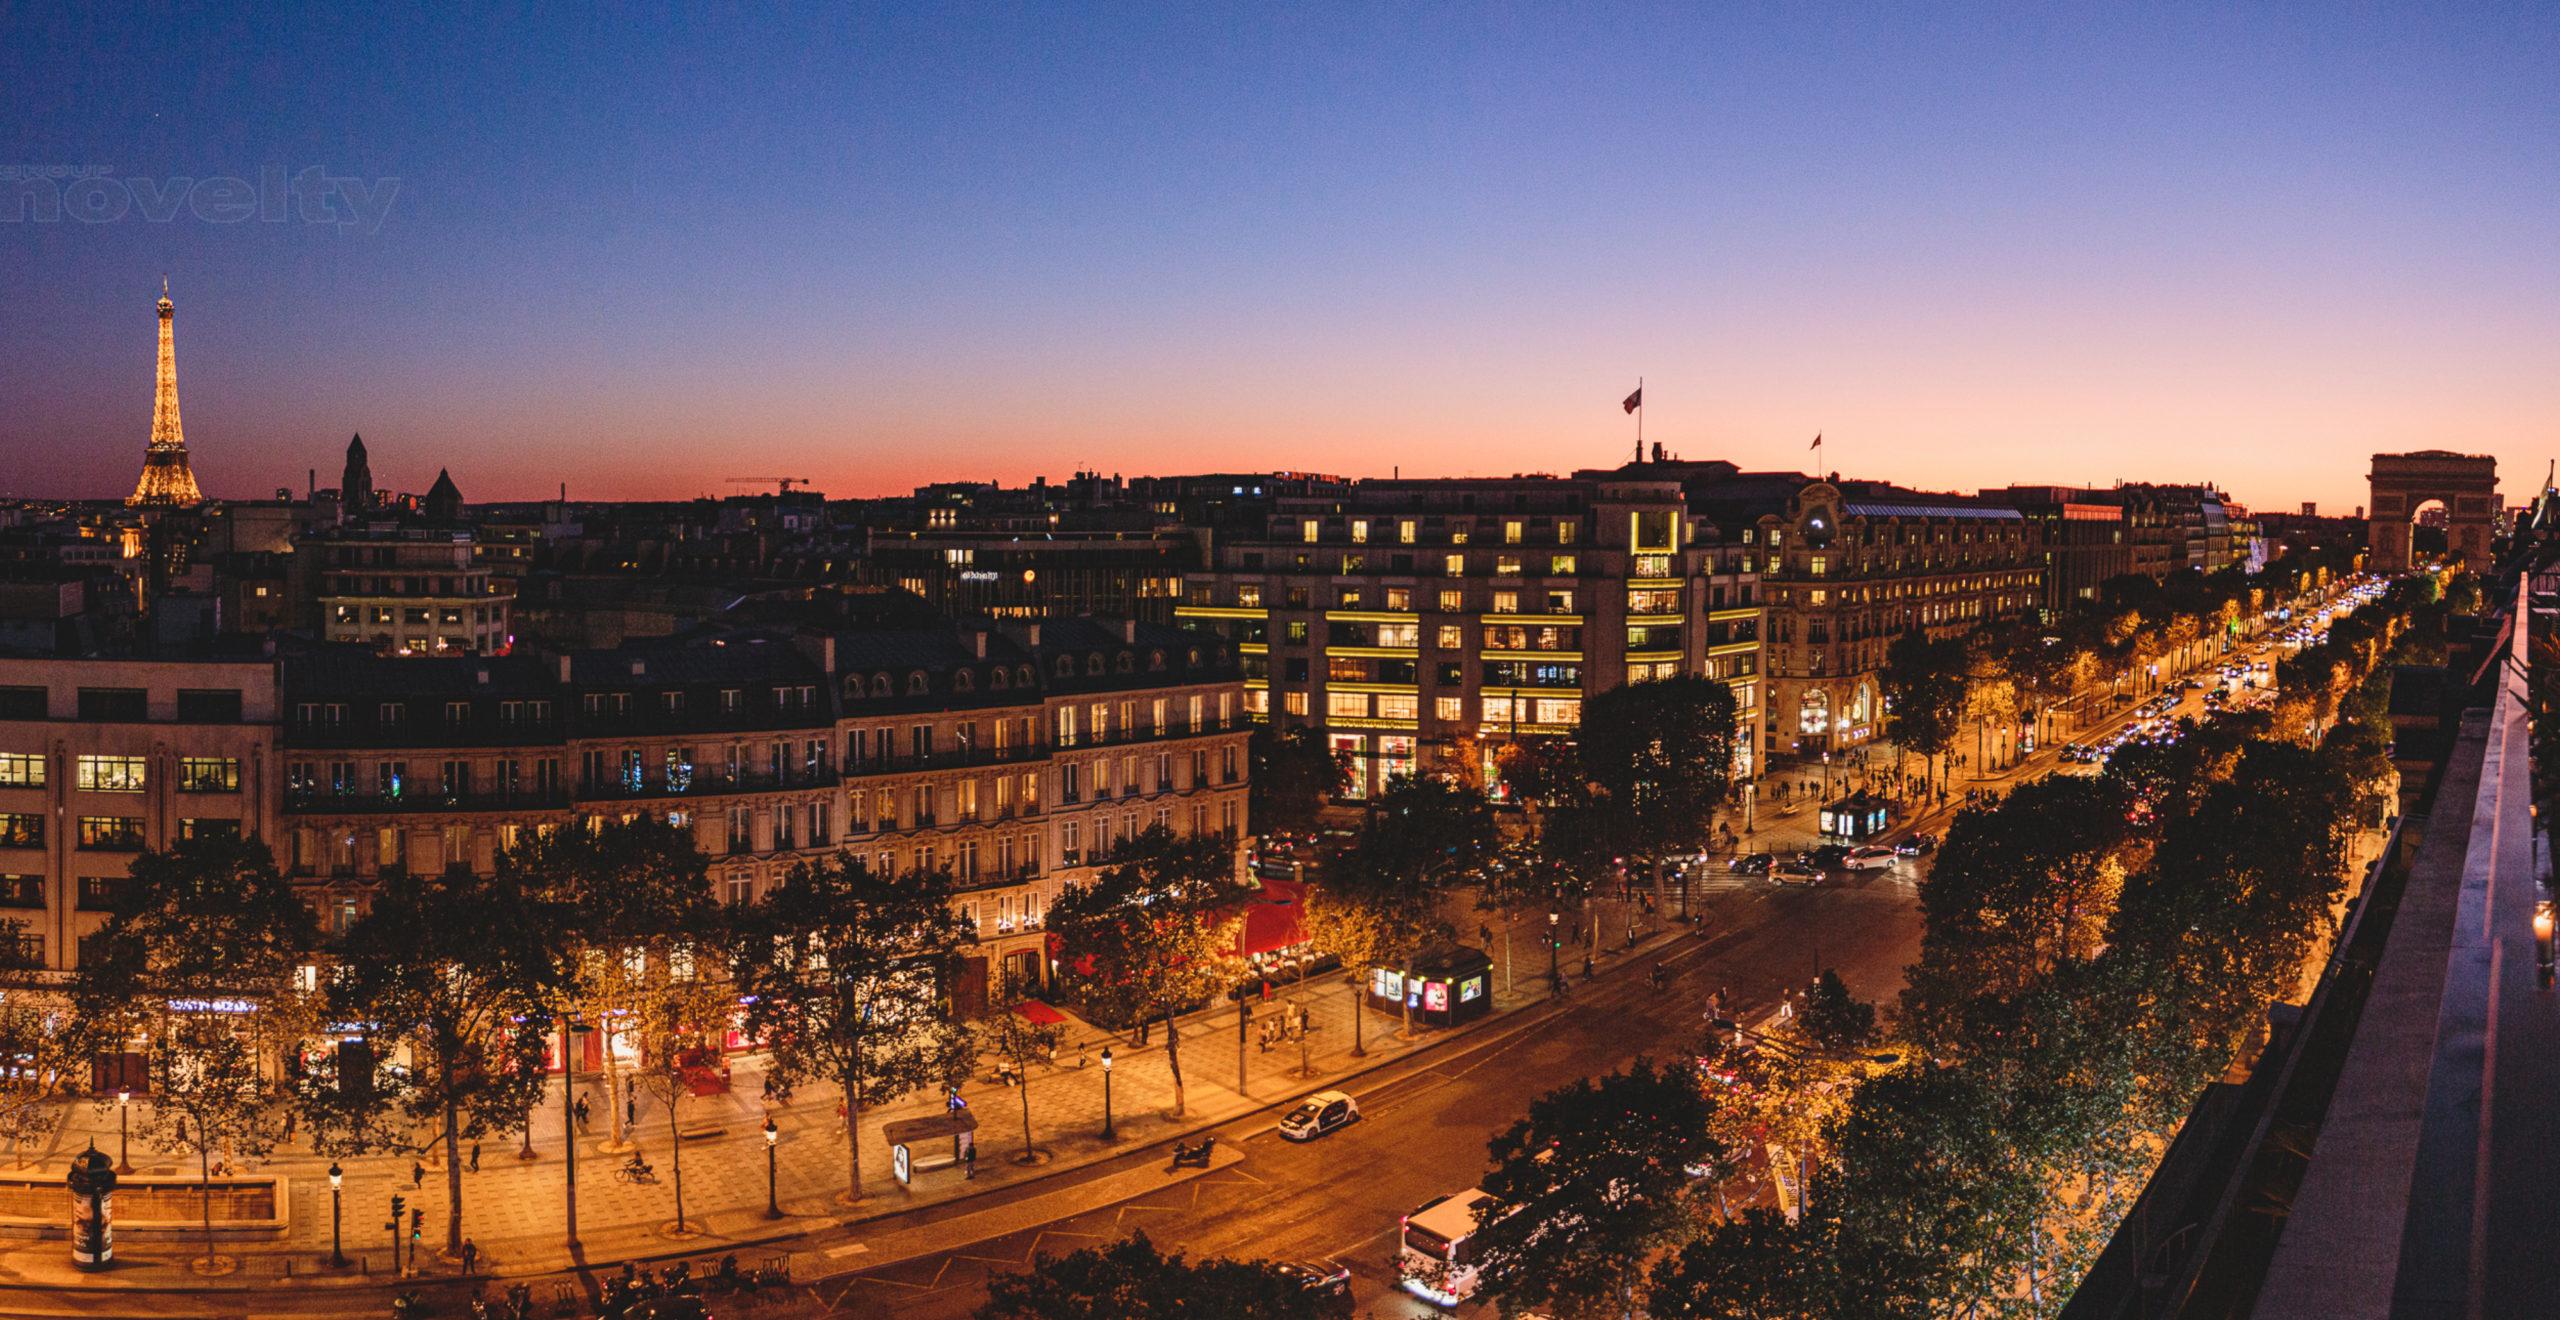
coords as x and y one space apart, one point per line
1294 775
1927 1198
2019 886
1362 936
678 1028
1426 837
1008 1034
200 961
1756 1266
1835 1023
209 1092
43 1052
1590 1186
459 972
1132 1280
1924 692
1541 771
635 901
845 975
1149 937
1659 757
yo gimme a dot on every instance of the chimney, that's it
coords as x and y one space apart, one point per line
1034 638
1129 631
979 636
564 668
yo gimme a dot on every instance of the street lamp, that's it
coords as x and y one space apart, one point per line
772 1205
1106 1093
124 1131
1555 978
569 1029
337 1180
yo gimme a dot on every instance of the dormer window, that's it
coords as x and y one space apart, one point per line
916 684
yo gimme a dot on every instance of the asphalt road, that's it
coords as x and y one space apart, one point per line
1425 1124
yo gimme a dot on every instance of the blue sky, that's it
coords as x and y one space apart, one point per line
643 250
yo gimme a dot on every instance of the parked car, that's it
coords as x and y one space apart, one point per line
1795 873
1752 863
1916 844
1319 1114
1869 857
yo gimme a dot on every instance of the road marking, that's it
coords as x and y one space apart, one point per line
849 1249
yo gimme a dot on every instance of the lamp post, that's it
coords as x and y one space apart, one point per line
1554 978
1106 1093
124 1131
772 1204
337 1180
569 1124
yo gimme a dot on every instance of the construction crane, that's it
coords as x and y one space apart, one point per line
786 483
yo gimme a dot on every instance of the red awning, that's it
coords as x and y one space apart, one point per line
1271 917
1035 1011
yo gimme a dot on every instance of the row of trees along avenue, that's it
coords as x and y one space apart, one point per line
1979 690
2095 951
440 1004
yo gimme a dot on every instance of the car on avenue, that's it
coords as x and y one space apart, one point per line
1869 857
1757 863
1319 1114
1796 873
1327 1278
1825 856
1912 845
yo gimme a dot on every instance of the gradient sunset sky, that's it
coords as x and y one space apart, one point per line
640 251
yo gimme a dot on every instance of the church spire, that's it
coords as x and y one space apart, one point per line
166 478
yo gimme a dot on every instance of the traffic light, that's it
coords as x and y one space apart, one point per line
398 1202
417 1223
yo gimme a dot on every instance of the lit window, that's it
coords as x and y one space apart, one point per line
111 774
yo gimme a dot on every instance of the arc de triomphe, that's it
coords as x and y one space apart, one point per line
2468 485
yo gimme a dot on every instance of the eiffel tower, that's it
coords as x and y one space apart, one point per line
167 481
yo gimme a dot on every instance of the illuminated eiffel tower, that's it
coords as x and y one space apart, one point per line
167 481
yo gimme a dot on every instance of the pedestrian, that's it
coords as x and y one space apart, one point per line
579 1111
631 1108
417 1176
969 1161
475 1166
470 1257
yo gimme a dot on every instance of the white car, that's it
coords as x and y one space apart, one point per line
1319 1114
1868 857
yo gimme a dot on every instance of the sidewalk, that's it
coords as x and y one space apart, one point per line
513 1208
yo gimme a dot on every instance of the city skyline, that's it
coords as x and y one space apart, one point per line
923 247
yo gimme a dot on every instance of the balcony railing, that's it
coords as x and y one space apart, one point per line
704 783
320 801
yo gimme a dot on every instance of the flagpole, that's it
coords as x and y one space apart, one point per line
1639 419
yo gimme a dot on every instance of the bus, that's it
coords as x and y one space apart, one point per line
1437 1261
